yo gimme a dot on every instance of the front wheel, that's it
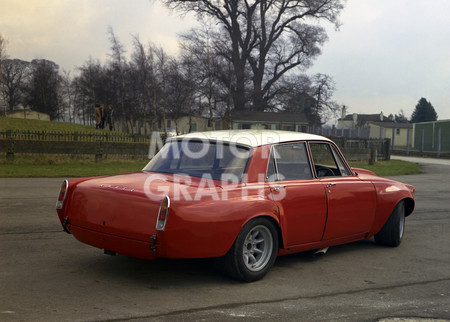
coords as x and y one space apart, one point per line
392 232
254 250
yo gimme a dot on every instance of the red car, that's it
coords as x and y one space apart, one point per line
243 197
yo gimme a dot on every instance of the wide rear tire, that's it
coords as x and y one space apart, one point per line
392 232
254 251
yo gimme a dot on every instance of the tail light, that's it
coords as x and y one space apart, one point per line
62 194
163 214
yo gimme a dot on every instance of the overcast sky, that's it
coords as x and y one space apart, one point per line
385 57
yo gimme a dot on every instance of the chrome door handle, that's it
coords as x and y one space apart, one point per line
330 185
277 188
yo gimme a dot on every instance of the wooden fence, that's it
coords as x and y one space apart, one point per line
72 136
125 145
73 143
364 149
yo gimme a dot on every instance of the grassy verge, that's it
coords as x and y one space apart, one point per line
61 166
389 168
7 123
64 166
13 124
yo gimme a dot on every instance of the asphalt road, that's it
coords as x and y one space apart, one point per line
46 275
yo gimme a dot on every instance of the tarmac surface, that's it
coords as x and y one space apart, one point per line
46 275
422 160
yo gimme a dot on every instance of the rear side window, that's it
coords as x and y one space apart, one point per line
289 162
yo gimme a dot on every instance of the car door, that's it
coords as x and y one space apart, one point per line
351 201
300 198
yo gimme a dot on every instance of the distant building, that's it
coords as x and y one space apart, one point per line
186 124
376 126
29 114
400 133
269 120
432 136
286 121
240 120
355 120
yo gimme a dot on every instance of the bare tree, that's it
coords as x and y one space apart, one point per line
14 75
3 57
67 96
188 66
311 96
273 37
118 61
209 70
148 69
154 93
323 88
400 117
162 61
42 94
89 86
142 68
178 89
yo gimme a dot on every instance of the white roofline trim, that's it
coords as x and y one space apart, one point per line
251 138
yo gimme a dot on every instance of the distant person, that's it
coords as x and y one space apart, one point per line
103 114
98 116
110 117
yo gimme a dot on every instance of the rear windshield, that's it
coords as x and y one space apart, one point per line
216 160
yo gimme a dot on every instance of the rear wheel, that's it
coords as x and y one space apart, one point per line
392 232
254 251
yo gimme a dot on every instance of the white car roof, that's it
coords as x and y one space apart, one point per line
251 138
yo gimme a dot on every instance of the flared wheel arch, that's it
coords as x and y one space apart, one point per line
274 221
223 263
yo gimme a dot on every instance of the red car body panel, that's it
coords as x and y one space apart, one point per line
351 206
303 224
119 213
108 207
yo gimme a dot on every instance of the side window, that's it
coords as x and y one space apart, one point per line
341 164
289 162
271 170
326 161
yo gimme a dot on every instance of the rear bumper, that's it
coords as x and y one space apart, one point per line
120 245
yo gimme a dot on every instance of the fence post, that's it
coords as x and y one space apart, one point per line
10 146
423 140
393 139
373 154
408 132
99 152
387 150
439 144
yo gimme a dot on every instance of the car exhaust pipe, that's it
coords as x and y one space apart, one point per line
109 252
64 224
320 252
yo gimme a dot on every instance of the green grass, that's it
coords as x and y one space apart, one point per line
69 167
389 168
63 166
9 123
66 166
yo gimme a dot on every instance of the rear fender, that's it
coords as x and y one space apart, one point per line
191 226
72 183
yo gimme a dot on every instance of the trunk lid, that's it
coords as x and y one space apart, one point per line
124 205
